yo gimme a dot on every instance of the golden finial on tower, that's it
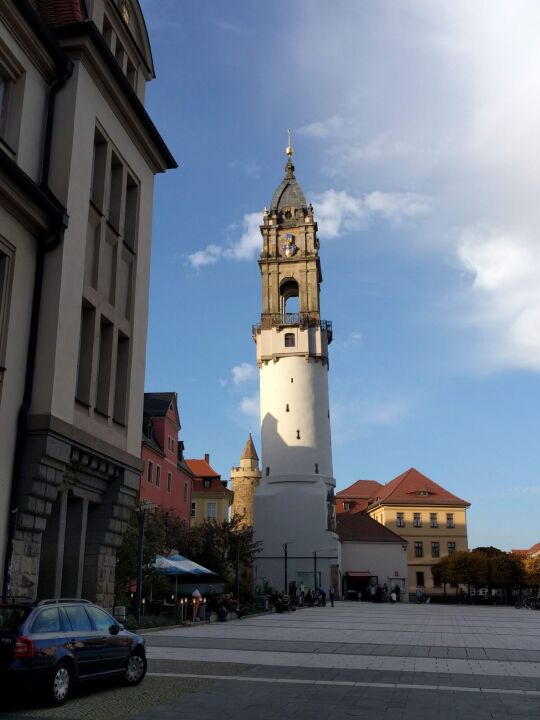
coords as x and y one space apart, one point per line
289 149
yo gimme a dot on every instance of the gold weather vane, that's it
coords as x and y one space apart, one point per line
289 144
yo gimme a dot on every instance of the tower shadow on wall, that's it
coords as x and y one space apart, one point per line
300 459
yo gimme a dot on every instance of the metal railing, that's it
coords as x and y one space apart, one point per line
301 319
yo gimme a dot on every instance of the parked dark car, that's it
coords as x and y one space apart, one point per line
55 644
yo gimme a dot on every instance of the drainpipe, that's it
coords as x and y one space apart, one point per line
46 244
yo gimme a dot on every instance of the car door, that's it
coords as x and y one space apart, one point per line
117 644
47 634
85 642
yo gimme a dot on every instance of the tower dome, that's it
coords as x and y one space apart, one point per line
289 194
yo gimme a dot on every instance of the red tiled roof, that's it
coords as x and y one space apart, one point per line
216 486
60 12
201 469
405 488
531 551
362 528
360 490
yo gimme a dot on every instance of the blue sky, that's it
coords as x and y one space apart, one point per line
415 130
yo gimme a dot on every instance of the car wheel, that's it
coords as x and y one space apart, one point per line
60 684
136 669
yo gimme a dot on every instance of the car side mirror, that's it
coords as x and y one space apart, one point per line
114 629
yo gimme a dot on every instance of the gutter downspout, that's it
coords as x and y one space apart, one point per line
47 244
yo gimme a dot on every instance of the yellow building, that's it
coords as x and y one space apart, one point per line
210 499
244 480
430 518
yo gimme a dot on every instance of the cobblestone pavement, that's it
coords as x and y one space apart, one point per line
356 660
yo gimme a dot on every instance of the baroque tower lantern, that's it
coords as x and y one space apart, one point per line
294 506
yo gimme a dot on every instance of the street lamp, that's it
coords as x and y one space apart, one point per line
285 560
144 506
315 564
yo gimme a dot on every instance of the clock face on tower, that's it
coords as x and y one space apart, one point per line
289 248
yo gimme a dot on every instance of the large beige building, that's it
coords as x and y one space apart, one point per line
431 519
78 155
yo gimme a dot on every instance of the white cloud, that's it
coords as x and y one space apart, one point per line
250 242
244 373
209 256
355 417
503 299
339 213
250 405
323 129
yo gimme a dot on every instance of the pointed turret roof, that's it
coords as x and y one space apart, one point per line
249 450
289 194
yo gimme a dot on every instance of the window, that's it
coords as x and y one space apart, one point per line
150 476
420 579
211 510
346 506
451 547
298 434
7 253
436 579
169 482
185 491
207 483
104 368
131 209
48 621
99 170
78 618
287 407
121 381
316 468
435 549
417 520
115 190
418 549
102 621
449 520
193 509
400 519
267 471
290 340
433 521
158 476
3 103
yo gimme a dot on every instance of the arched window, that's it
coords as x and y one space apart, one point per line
290 340
290 298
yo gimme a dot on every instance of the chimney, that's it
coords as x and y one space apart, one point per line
207 457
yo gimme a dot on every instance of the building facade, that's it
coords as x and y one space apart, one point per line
371 554
430 518
166 481
78 156
294 508
211 498
244 480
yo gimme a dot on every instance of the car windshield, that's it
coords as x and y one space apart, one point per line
11 617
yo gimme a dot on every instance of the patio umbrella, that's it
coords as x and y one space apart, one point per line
179 565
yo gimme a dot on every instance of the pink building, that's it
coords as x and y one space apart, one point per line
166 480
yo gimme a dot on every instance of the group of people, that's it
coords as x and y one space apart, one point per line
297 596
380 593
222 604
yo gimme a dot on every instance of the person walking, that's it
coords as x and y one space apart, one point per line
397 592
331 593
302 593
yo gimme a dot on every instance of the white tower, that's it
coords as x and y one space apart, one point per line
294 509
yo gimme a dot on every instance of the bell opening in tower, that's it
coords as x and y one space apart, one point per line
290 300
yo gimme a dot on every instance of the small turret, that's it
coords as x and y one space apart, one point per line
244 480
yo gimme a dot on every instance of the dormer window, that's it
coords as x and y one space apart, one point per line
422 492
207 483
346 506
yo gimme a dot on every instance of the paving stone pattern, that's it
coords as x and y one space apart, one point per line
357 660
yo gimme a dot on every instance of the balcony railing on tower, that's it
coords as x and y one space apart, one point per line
303 320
